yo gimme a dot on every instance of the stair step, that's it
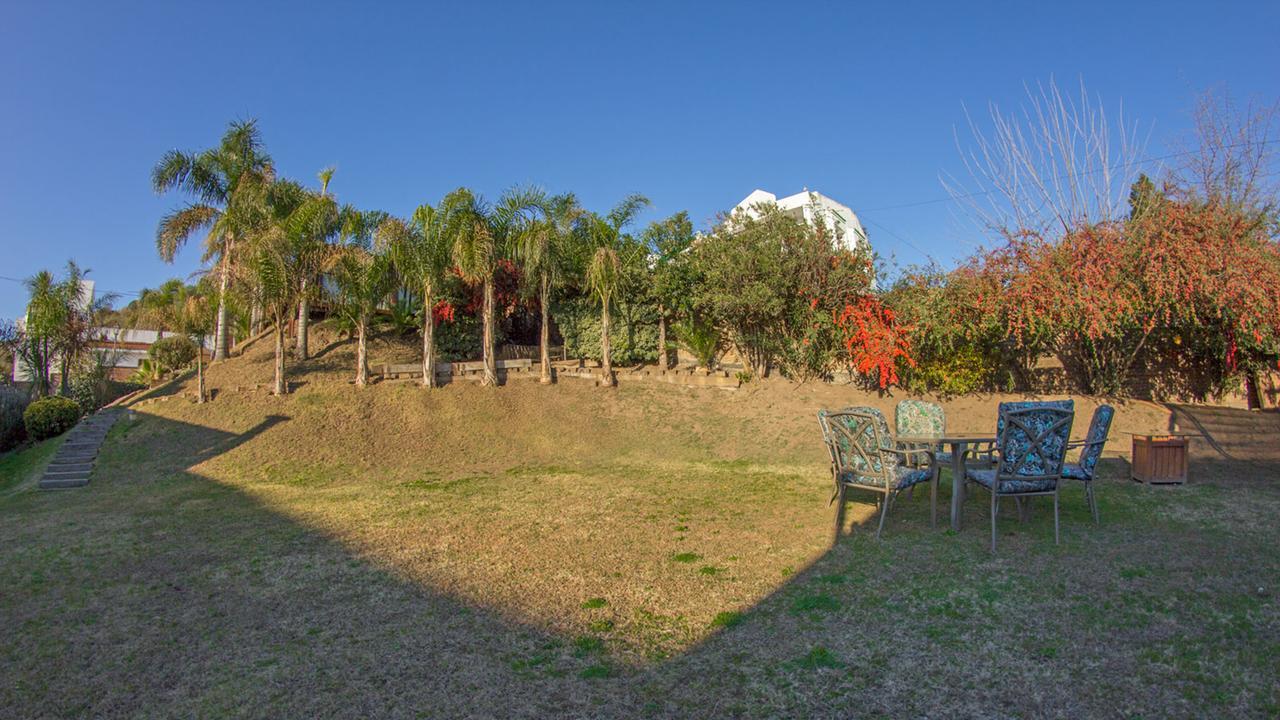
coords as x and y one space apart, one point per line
56 466
48 483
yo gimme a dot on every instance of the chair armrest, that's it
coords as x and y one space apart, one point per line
1085 443
910 456
981 454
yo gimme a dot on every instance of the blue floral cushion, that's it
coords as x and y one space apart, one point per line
1099 428
860 426
904 477
1005 407
1036 443
987 479
1073 471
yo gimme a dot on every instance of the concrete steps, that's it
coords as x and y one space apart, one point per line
73 463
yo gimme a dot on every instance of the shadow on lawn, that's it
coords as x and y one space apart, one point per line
224 606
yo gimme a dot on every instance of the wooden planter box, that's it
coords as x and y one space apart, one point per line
1159 459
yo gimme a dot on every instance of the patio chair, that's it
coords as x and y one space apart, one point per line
921 417
1086 465
986 456
865 457
1030 449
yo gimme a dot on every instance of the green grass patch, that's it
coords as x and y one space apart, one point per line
816 602
594 603
818 658
686 557
727 619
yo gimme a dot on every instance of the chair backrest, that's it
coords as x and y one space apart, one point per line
859 442
1033 443
1024 404
1099 428
919 417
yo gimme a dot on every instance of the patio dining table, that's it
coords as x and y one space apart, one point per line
959 444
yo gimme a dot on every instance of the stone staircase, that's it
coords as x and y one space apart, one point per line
72 464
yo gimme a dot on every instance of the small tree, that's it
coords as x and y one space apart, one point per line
606 251
674 276
420 252
363 276
544 247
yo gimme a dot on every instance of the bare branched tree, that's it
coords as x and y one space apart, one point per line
1054 165
1233 154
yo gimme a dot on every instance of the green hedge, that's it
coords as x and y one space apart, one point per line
48 417
12 429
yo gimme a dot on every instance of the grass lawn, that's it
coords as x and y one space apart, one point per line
567 551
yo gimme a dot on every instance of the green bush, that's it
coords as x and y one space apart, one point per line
12 429
633 331
50 416
173 353
963 371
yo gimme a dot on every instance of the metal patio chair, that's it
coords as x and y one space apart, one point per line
1086 465
1031 446
865 457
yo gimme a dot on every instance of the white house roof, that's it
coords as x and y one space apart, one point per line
808 205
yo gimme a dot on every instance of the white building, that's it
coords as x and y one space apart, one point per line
811 207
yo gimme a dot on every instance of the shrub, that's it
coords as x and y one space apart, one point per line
173 353
51 416
633 330
12 429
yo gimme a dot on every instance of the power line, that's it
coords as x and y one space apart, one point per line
980 193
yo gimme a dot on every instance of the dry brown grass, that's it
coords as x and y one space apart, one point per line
569 551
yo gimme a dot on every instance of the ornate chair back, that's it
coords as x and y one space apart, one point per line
1099 428
920 417
860 444
1033 446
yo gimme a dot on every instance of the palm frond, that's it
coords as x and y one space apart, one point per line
177 227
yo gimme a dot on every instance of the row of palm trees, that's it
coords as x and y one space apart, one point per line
277 239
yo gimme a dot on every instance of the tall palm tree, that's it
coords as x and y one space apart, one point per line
363 274
478 234
319 227
607 250
545 248
421 251
213 178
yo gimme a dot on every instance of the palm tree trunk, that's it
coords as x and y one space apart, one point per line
362 357
544 333
662 338
221 333
304 319
428 338
280 388
200 371
490 364
606 360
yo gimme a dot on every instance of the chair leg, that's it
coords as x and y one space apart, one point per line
839 497
933 499
995 507
884 510
1022 509
1093 502
1055 517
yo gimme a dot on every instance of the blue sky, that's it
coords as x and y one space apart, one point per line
692 104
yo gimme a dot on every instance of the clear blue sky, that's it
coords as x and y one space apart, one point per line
693 103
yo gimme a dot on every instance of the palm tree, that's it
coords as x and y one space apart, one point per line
478 233
195 317
420 250
214 178
544 248
320 226
362 272
273 257
607 248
